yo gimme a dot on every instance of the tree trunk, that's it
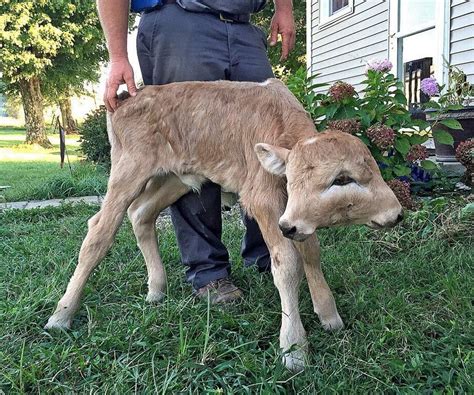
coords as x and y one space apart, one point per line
33 108
69 124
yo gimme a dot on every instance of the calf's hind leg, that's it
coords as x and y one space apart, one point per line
160 192
125 184
323 300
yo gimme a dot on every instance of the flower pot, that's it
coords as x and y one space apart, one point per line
446 153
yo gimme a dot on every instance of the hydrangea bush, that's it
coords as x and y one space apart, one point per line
378 116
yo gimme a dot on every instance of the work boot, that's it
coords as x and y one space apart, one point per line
219 291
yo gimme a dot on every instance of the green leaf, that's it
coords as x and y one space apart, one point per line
364 119
420 124
387 173
402 145
417 139
365 140
452 124
319 112
401 170
455 107
467 210
428 165
443 137
331 110
432 104
400 98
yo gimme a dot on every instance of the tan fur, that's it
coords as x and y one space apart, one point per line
170 139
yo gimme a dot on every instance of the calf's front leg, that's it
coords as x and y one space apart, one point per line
287 270
322 298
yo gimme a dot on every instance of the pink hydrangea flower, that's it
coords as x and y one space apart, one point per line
417 152
382 136
429 86
381 65
341 90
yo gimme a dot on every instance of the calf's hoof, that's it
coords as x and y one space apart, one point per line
155 297
56 321
333 323
295 360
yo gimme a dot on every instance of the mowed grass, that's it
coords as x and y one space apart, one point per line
33 172
405 295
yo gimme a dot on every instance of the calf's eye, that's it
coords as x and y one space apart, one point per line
343 180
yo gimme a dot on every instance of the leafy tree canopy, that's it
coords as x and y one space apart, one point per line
59 41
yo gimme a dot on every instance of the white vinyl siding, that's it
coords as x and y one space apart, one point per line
340 50
462 37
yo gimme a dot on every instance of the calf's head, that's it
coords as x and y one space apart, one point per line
332 179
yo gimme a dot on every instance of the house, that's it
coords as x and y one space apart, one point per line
415 35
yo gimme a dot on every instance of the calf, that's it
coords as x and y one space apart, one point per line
257 141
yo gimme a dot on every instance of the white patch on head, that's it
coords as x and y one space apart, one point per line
193 181
265 83
312 140
336 189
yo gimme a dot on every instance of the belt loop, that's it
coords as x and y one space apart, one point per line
224 19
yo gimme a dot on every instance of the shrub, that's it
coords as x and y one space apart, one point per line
383 121
94 140
86 179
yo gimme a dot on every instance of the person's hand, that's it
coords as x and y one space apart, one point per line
120 72
284 24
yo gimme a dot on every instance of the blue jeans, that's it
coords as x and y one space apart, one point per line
176 45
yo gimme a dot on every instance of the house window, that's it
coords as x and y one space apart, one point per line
336 5
333 10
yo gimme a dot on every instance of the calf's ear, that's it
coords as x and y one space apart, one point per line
272 158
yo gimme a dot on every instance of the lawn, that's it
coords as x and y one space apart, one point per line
33 172
405 296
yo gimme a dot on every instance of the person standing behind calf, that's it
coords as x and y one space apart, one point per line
198 40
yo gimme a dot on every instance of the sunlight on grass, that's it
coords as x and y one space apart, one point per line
30 169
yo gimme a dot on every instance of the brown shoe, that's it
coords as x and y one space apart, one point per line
219 291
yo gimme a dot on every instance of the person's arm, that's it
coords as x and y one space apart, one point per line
284 24
113 15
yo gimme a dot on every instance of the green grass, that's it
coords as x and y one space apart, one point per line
33 172
405 296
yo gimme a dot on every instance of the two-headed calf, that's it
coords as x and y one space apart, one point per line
257 141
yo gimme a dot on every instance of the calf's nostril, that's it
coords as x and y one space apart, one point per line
287 231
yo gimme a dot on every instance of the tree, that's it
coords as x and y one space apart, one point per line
54 45
75 65
297 57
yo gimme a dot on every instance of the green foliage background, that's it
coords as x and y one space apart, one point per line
61 42
297 57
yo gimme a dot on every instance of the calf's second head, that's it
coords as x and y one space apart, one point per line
332 179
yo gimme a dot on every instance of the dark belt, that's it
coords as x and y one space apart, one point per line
223 16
